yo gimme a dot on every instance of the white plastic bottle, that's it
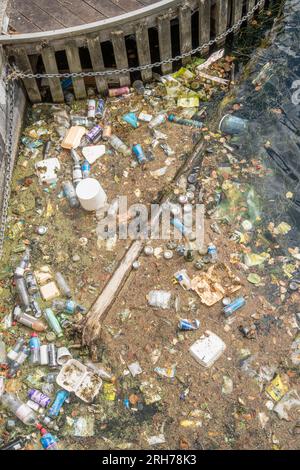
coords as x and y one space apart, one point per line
20 409
119 145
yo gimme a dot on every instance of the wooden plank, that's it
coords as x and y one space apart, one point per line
237 7
83 10
118 42
95 51
23 63
185 29
93 326
103 26
37 16
59 12
128 5
20 24
105 7
48 56
221 18
250 4
204 23
143 48
165 44
75 66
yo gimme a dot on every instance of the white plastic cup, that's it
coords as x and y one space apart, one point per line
63 356
91 194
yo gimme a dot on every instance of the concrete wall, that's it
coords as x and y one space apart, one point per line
19 106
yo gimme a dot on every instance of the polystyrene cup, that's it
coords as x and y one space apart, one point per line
91 194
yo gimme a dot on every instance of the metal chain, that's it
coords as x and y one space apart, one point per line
8 159
17 74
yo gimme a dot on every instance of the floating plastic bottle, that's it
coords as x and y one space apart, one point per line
3 355
28 320
106 131
139 153
36 309
70 193
47 440
233 306
21 358
212 253
14 352
63 286
53 322
22 292
85 169
185 122
139 87
50 378
15 444
77 174
188 325
68 306
179 226
82 121
20 269
60 398
119 145
34 345
19 409
158 120
75 157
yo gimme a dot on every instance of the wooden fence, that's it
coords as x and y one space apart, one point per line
212 18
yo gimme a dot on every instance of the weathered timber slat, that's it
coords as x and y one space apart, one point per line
185 28
143 49
118 42
95 51
73 58
48 56
204 23
165 44
23 63
221 18
237 10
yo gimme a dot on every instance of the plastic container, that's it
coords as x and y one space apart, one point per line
19 409
63 286
53 322
91 194
159 299
76 377
232 125
207 349
3 356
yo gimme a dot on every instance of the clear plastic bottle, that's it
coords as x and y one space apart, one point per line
62 285
119 145
28 320
14 352
212 253
77 174
22 357
20 269
50 378
81 121
139 87
70 193
3 356
19 409
158 120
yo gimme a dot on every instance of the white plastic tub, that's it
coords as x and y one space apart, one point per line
91 194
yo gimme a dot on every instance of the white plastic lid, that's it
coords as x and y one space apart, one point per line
87 189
